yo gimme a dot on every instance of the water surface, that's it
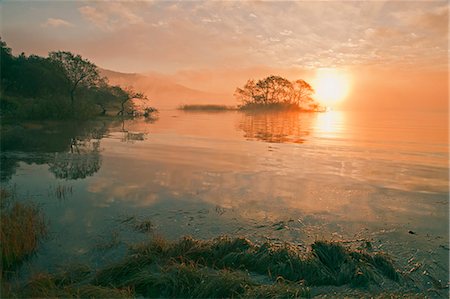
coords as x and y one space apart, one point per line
287 176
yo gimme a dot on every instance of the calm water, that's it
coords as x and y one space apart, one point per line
285 176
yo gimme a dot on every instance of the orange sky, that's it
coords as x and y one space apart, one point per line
396 52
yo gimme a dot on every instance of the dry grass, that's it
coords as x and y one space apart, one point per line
219 268
22 227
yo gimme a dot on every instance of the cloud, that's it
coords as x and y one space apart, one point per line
436 19
51 22
168 36
112 15
94 16
286 32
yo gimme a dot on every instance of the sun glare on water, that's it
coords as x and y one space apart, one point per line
331 86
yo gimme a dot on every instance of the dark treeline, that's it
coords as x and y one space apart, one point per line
60 86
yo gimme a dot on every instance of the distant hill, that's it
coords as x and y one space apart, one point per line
163 91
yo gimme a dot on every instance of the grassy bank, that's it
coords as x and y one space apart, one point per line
277 107
207 108
249 107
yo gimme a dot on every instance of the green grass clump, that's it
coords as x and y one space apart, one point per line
22 228
209 107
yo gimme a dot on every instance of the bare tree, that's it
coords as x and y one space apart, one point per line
127 94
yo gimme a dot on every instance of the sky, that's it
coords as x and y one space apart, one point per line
214 39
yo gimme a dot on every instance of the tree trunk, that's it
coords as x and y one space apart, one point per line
103 109
72 107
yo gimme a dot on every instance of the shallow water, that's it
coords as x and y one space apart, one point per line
287 176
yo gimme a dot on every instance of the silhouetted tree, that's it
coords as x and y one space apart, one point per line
125 95
302 92
78 71
248 93
275 90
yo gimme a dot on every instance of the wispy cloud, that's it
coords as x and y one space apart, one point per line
52 22
111 15
172 35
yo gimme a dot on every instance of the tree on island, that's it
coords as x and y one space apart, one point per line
77 70
276 92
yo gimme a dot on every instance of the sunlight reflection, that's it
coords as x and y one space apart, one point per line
329 123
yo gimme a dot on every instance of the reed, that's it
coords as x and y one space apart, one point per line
22 228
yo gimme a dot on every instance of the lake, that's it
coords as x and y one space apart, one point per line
283 176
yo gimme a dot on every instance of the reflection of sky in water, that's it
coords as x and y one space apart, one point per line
335 171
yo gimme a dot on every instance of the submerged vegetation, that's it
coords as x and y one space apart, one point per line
275 92
61 86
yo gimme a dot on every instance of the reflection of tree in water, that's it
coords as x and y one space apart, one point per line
131 136
70 149
8 167
82 161
276 127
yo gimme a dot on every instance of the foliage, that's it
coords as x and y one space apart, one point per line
61 86
77 71
276 91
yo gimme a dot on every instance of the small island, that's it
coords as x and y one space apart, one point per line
270 93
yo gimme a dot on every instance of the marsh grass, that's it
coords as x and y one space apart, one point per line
22 228
46 286
206 108
220 268
223 267
327 264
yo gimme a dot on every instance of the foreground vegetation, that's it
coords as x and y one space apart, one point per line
61 86
219 268
22 228
223 267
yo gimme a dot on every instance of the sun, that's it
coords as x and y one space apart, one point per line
331 86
